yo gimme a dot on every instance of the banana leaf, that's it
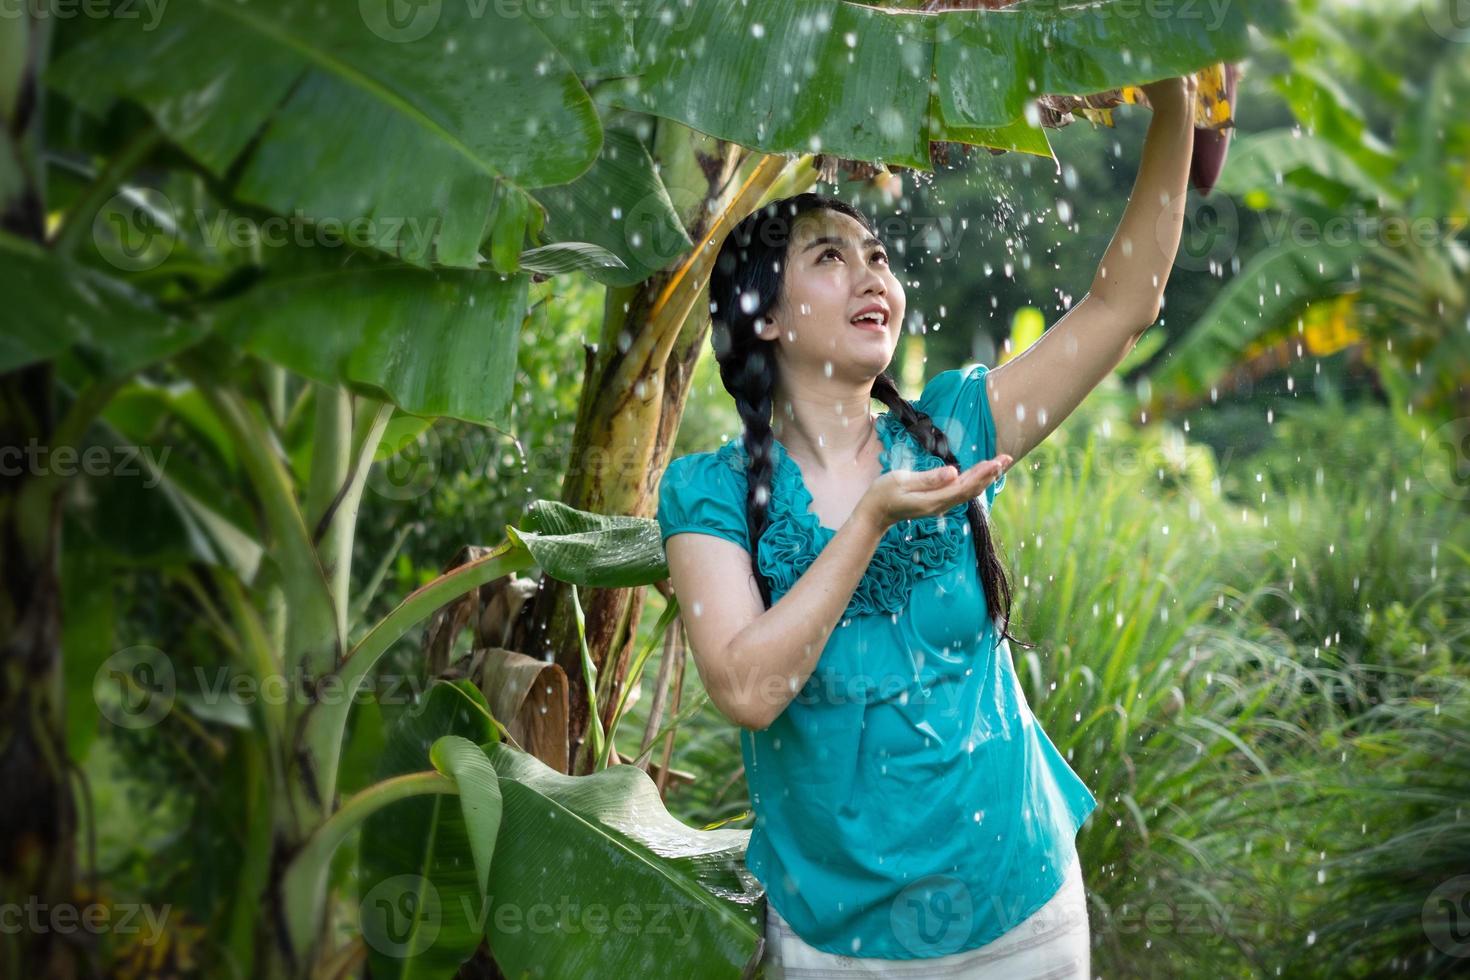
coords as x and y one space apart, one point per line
59 307
1274 287
375 329
343 112
622 205
590 549
879 84
1257 161
594 877
355 115
420 900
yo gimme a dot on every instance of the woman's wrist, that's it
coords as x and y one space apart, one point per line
866 517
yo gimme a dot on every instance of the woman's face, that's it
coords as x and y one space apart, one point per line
834 269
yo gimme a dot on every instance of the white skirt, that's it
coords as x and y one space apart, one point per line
1053 943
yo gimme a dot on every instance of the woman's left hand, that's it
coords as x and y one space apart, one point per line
1172 93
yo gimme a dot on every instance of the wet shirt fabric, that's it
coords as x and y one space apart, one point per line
907 802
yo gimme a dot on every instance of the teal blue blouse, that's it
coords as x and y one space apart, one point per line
907 803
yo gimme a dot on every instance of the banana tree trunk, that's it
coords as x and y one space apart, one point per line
38 819
637 381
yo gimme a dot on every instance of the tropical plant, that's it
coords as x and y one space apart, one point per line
1275 735
1365 239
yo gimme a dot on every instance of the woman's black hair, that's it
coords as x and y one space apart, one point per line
744 286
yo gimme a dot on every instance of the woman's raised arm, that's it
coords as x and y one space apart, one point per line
1031 394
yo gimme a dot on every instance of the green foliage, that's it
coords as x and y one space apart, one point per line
889 60
115 327
604 842
451 482
607 551
1349 214
276 89
419 890
1223 710
379 314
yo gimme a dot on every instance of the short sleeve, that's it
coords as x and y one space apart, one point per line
957 403
703 493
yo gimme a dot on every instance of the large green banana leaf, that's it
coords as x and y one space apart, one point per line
622 205
594 878
349 114
479 798
590 874
421 903
56 307
364 325
440 343
868 83
340 112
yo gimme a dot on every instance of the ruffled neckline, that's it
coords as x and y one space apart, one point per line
910 550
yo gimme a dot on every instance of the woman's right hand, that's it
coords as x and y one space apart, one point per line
904 494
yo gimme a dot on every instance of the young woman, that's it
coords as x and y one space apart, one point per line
912 818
